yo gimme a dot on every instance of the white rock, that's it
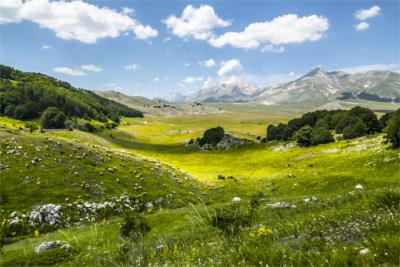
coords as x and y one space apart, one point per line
359 187
364 251
236 199
47 245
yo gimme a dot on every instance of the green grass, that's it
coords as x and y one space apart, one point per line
330 231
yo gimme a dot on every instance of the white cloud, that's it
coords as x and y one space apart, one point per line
192 79
197 23
286 29
167 39
74 20
208 82
291 74
156 79
229 66
91 67
68 71
272 49
362 26
380 67
209 63
364 14
132 67
46 47
186 64
144 32
127 11
10 11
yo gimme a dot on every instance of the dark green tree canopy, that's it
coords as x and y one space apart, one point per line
355 129
304 136
392 130
53 118
212 136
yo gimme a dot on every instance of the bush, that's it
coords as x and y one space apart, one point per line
304 136
31 127
134 226
53 118
355 130
230 219
392 130
368 117
212 136
87 127
21 112
389 200
322 136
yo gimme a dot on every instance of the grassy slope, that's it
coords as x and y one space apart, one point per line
313 233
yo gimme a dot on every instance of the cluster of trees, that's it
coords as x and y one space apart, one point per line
25 95
316 127
212 136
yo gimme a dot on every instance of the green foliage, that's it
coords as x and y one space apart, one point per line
304 136
231 219
134 226
212 136
356 129
383 120
322 136
53 118
389 200
392 130
29 94
368 117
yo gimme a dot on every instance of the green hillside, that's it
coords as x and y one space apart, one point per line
25 95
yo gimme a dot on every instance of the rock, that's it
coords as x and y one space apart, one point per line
359 187
281 205
47 245
364 251
236 199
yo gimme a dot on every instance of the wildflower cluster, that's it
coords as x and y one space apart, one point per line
261 232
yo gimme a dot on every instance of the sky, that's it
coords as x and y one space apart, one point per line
154 48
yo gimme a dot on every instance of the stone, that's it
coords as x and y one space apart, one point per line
47 245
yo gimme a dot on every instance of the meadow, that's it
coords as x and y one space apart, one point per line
262 204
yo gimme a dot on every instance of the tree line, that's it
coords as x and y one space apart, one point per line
317 127
26 95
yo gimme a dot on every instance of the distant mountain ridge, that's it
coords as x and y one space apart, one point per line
316 86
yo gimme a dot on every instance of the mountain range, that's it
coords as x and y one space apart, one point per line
316 86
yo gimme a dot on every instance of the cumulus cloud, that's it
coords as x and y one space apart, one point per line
229 66
46 47
192 79
91 67
208 82
272 49
371 12
156 79
209 63
362 26
69 71
131 67
75 20
127 11
286 29
197 23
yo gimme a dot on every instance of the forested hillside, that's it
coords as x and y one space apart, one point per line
25 95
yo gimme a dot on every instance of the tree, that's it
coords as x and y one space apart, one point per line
356 129
212 136
393 130
322 123
385 118
304 136
21 112
53 118
368 117
322 136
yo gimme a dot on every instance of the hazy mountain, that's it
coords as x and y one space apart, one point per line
321 86
233 90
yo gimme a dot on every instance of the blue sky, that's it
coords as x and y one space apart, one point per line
150 48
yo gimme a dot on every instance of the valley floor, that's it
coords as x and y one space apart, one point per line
330 205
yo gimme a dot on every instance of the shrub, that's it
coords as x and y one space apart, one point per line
368 117
322 136
212 136
21 112
230 219
385 118
389 199
31 127
304 136
392 130
134 226
355 130
87 127
53 118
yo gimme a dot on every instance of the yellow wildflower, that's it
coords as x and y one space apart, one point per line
36 233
